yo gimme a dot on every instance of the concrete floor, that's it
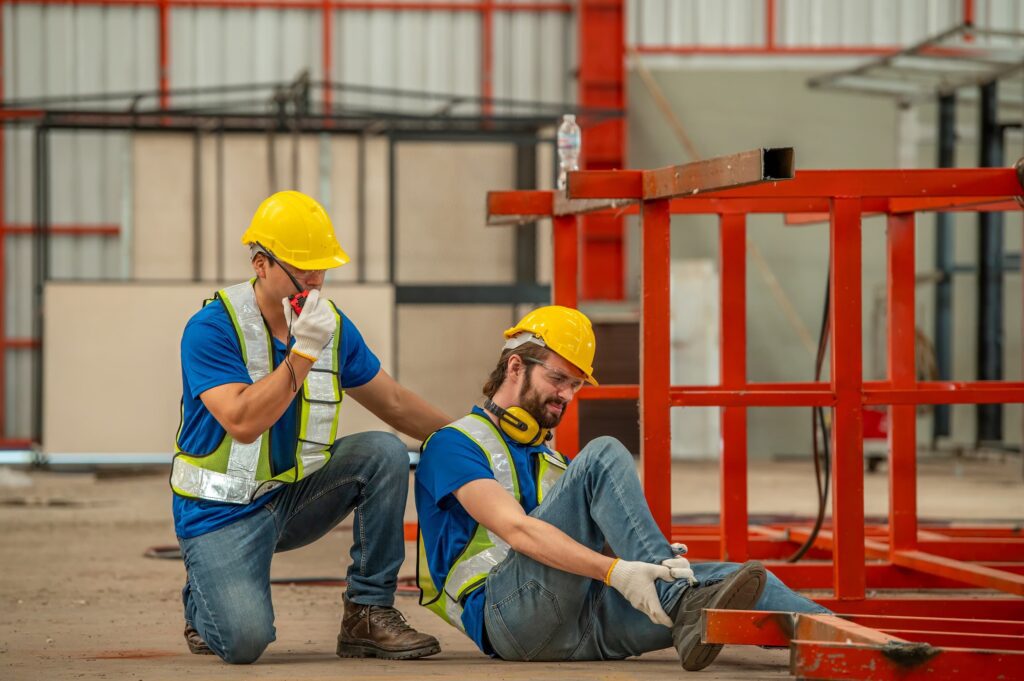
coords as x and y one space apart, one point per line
78 600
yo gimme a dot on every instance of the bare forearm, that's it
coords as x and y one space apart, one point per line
399 407
547 544
260 405
418 418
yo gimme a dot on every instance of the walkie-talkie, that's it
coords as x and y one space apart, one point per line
296 300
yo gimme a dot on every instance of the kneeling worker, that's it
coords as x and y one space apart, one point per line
511 531
260 465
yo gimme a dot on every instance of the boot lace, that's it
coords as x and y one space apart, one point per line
389 618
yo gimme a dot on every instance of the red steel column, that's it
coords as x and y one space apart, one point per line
164 49
487 56
769 25
327 53
902 374
3 248
566 275
655 362
847 381
732 234
602 53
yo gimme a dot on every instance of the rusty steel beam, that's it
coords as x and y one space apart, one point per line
715 174
907 662
834 628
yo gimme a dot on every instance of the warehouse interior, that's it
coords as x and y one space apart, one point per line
137 138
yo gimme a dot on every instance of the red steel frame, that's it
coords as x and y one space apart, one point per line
903 554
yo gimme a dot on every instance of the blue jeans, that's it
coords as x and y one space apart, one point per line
227 591
535 612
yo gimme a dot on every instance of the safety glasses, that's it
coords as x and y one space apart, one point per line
557 378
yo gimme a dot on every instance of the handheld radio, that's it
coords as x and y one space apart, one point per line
296 300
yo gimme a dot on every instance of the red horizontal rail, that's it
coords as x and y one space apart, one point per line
721 397
362 6
960 639
15 443
820 394
819 575
798 210
20 343
1000 608
63 230
966 626
978 392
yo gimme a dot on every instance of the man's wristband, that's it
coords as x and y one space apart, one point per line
304 355
608 575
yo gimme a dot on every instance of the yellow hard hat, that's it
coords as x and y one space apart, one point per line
563 330
296 229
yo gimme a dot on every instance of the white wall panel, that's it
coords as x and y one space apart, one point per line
214 47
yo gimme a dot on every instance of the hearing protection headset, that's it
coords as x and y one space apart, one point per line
518 424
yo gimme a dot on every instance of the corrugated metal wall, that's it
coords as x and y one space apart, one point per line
60 51
802 23
74 48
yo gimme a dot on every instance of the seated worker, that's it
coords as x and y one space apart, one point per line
511 532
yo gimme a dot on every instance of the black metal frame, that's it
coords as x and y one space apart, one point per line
293 111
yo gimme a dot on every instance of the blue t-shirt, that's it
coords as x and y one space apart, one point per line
449 461
212 356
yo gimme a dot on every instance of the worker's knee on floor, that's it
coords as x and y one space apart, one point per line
245 645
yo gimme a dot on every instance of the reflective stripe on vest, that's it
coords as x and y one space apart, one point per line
238 473
485 550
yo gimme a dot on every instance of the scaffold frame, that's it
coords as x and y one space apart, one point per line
849 556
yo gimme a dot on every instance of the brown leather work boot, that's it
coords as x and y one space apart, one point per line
196 644
738 591
381 631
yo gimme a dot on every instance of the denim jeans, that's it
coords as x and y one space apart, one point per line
535 612
227 590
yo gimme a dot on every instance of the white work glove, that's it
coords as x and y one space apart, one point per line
680 569
635 581
311 329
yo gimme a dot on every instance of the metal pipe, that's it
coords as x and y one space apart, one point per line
945 250
197 205
989 417
361 208
221 209
526 234
41 242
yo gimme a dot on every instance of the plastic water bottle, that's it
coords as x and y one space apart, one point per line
569 142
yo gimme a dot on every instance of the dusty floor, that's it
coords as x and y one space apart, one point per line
78 599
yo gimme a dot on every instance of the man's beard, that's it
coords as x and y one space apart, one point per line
536 406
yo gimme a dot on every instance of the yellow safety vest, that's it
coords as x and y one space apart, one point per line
237 473
485 550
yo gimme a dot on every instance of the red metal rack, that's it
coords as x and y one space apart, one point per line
903 554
